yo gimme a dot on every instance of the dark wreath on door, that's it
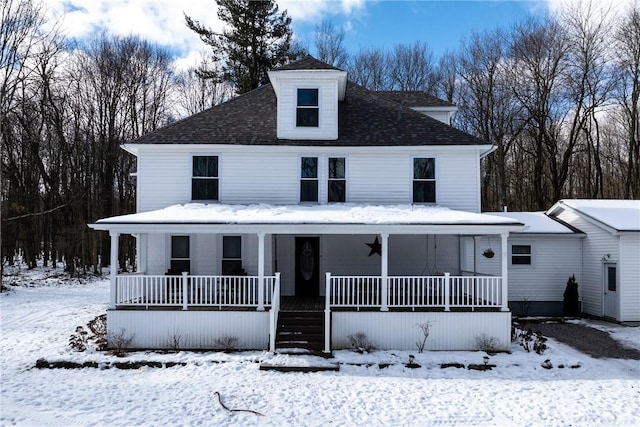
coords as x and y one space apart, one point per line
307 266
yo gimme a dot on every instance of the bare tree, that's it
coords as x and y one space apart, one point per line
489 108
195 94
412 68
627 48
368 68
329 44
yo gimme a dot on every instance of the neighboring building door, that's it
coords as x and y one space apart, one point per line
610 291
307 266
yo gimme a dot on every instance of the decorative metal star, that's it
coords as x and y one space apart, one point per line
376 247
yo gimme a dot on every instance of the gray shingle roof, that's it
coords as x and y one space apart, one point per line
365 118
414 98
307 63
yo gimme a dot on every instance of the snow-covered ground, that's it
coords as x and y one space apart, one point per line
36 321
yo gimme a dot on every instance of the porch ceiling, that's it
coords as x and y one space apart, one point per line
344 218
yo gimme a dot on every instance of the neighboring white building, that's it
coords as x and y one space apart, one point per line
610 285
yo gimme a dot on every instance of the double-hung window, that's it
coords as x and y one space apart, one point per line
337 183
307 110
309 179
180 254
521 254
204 181
231 255
424 180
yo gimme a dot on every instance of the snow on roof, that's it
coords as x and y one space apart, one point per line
622 215
537 222
347 213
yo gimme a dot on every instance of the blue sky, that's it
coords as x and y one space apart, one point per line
368 23
442 24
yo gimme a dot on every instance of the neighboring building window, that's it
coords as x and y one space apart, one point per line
521 254
180 255
307 111
337 185
232 256
424 180
204 183
309 179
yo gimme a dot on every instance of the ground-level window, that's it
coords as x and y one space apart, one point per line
204 181
521 254
307 110
180 261
232 256
424 180
309 179
337 183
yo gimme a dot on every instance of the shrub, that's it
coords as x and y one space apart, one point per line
425 328
78 340
360 342
487 343
226 343
570 303
530 340
118 342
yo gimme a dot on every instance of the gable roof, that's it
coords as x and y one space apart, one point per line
307 63
538 223
618 215
365 118
414 98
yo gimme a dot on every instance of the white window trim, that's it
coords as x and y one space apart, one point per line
169 250
346 177
296 106
242 250
531 255
319 177
436 178
219 177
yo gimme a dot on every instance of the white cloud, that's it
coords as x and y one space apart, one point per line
162 21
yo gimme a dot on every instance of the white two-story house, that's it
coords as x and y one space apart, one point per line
306 211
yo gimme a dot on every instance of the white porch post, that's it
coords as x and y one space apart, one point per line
384 271
327 313
113 268
505 271
260 272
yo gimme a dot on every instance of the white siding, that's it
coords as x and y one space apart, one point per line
258 174
457 181
328 109
164 178
629 278
204 258
597 244
156 329
157 254
399 331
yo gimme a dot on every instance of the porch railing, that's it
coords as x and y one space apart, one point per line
192 291
415 292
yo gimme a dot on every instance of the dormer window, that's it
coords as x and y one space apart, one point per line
307 110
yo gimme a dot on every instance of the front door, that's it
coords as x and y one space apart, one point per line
610 291
307 266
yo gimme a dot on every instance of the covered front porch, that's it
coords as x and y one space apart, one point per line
306 252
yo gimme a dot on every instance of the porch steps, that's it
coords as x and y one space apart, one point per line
300 332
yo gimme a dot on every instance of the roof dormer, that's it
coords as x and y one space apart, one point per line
308 92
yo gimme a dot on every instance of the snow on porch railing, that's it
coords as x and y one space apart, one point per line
415 291
201 291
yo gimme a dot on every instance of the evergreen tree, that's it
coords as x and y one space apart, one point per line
256 39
